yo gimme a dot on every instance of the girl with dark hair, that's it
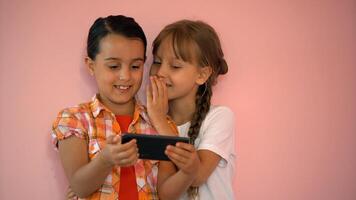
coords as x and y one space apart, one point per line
187 61
88 136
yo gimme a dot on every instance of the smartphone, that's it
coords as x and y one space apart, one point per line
152 147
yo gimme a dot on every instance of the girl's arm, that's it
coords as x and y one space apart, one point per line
217 142
208 162
86 177
157 106
193 170
172 183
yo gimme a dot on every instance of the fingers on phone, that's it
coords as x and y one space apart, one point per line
178 161
128 144
130 160
177 153
185 146
127 157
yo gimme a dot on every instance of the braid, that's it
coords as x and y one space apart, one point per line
202 102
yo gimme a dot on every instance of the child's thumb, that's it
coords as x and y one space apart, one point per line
111 139
117 139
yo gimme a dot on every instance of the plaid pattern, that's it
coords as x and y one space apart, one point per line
93 122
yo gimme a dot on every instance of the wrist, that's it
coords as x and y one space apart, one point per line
163 128
103 160
157 118
158 122
188 175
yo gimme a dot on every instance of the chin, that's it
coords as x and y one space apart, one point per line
121 100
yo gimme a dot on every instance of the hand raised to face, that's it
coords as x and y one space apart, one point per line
157 100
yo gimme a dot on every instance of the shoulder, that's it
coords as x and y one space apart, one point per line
217 132
75 111
219 116
76 117
71 121
220 112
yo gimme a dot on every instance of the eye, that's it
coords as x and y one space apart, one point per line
113 66
176 66
156 62
136 66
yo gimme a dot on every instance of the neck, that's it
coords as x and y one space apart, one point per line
120 109
181 111
126 109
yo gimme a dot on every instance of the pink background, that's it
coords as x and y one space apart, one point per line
291 83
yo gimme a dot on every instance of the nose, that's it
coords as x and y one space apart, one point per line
162 71
124 74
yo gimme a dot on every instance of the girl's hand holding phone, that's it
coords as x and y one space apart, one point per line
115 153
185 157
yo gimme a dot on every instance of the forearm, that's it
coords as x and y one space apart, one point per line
89 178
199 180
201 177
208 163
180 182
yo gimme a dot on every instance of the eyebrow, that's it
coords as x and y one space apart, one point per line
135 59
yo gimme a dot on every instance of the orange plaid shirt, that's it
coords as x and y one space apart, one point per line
93 122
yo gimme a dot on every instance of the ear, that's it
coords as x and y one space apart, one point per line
90 65
204 74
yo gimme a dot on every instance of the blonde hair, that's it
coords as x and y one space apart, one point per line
196 42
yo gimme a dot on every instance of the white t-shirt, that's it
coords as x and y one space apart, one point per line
217 134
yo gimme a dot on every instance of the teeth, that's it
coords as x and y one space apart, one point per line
122 87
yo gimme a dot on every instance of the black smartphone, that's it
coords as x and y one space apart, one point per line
152 147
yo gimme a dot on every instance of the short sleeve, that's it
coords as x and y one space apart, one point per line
217 133
66 125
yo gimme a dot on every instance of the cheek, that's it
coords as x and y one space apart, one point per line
184 83
138 76
107 77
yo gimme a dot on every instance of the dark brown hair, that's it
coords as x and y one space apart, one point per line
196 42
118 24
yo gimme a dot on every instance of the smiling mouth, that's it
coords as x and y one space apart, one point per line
122 87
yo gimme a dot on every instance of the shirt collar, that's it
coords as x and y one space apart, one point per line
97 107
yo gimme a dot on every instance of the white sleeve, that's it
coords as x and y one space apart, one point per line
217 133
